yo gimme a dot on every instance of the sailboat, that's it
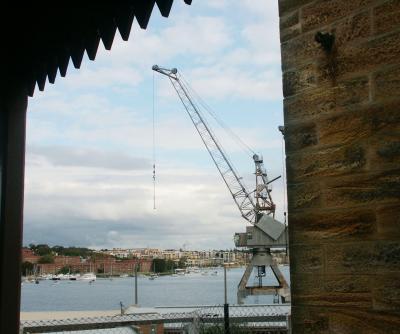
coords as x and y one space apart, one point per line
153 275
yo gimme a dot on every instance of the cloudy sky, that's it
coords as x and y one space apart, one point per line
89 137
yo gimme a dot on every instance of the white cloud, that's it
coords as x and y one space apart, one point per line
221 82
185 36
104 77
58 195
89 179
83 157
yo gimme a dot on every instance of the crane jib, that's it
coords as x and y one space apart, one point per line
251 208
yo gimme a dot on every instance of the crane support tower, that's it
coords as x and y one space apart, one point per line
256 207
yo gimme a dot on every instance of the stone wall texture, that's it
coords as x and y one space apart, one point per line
342 132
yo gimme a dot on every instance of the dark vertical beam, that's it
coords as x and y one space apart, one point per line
13 107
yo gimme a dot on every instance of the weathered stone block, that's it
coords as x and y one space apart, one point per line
300 136
290 33
351 284
323 12
289 5
301 51
306 284
368 56
326 162
363 257
355 320
328 291
387 16
304 78
389 150
388 220
387 84
304 49
332 299
384 151
360 124
309 320
363 189
352 29
308 259
289 20
344 225
304 195
386 294
327 99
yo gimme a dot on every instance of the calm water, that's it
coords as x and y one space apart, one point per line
105 294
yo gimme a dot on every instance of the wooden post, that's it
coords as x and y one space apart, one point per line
13 107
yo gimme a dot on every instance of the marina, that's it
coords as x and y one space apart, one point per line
169 290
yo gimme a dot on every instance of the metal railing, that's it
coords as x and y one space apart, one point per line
174 320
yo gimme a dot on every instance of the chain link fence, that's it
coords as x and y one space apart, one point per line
235 319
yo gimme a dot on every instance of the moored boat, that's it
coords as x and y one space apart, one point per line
88 277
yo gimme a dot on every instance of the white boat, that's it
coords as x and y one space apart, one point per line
88 277
153 276
46 276
179 271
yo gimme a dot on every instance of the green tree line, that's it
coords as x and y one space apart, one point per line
44 249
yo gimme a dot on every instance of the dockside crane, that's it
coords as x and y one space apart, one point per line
256 207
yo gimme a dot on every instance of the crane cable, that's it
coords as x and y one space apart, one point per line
246 148
223 125
154 148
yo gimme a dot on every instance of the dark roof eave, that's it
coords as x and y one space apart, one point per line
52 35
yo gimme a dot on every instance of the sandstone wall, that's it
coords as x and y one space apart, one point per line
342 123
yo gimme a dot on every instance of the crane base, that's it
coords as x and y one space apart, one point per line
282 289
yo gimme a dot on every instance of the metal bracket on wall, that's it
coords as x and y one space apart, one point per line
326 39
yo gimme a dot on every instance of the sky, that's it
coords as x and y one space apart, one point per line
90 135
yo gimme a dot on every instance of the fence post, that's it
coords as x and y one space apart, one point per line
226 318
289 324
136 282
226 306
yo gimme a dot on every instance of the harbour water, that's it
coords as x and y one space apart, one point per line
106 294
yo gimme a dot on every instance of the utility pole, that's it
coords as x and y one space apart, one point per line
136 287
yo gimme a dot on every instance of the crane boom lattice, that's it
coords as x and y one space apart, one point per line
256 206
249 205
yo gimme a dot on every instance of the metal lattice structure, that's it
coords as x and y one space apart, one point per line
255 206
249 208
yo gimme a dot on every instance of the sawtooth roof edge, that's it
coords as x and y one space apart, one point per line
55 38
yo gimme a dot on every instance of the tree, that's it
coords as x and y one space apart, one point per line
163 266
182 262
65 270
58 249
47 258
41 249
26 268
